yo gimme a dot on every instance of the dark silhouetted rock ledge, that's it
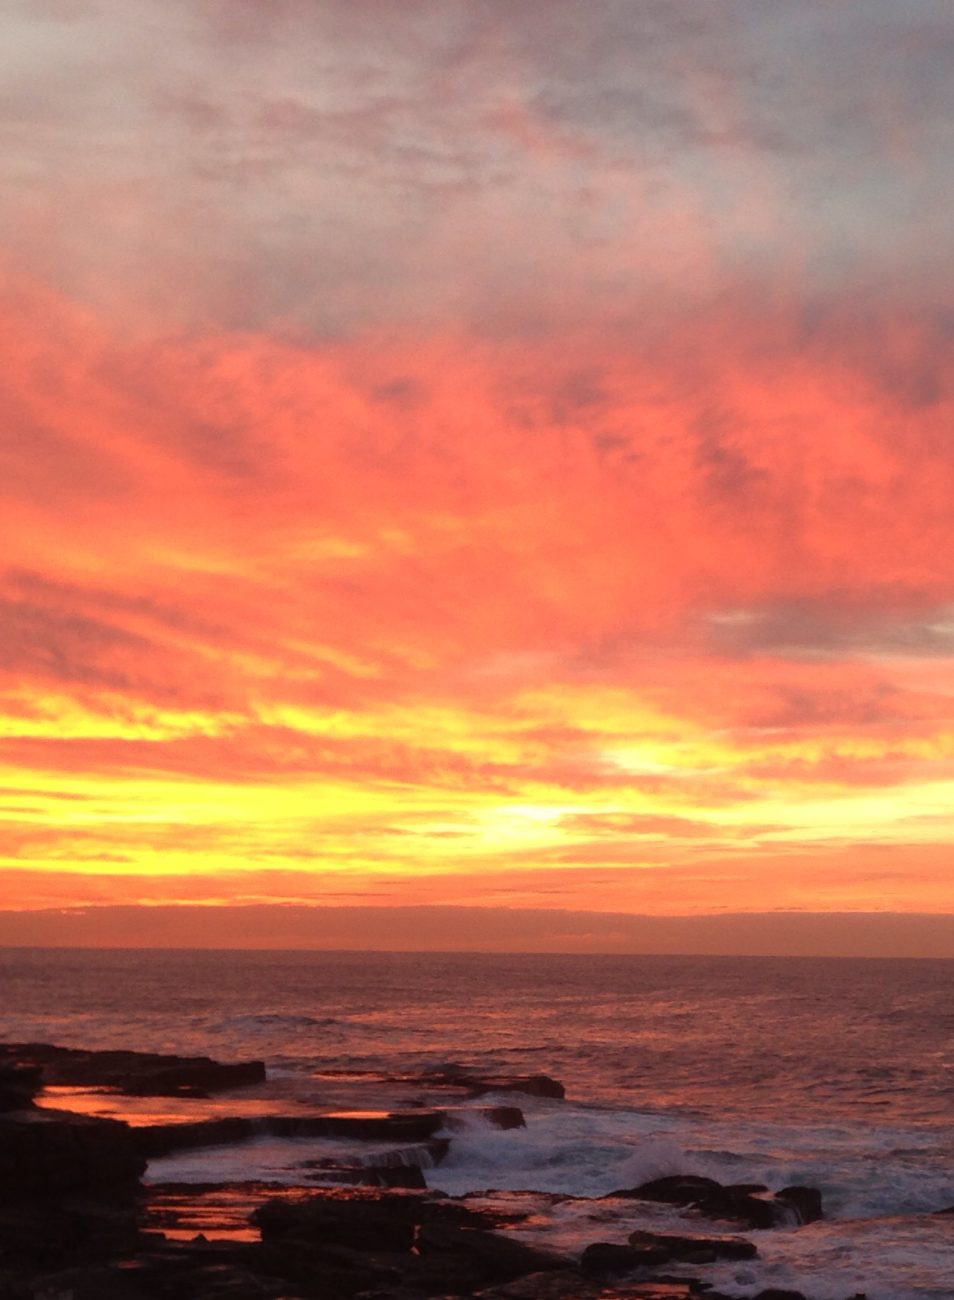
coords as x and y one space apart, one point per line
19 1084
475 1084
137 1074
531 1085
414 1244
156 1140
47 1153
644 1249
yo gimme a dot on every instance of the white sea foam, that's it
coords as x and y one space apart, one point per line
572 1151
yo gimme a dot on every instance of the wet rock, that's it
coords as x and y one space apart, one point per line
37 1234
563 1284
606 1259
304 1215
753 1209
401 1167
19 1084
805 1201
53 1153
361 1224
676 1189
185 1271
531 1085
692 1248
139 1074
363 1126
156 1140
432 1245
83 1282
750 1204
762 1209
476 1084
570 1286
488 1257
214 1209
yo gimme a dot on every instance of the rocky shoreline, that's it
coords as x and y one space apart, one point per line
78 1223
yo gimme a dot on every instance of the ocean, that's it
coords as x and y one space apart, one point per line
837 1073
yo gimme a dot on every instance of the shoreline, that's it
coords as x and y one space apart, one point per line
367 1221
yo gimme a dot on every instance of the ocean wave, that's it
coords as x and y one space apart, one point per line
274 1020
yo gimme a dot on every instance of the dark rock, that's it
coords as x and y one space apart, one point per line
187 1209
410 1126
363 1126
436 1246
778 1293
752 1209
563 1284
19 1084
606 1259
531 1085
365 1225
805 1201
369 1125
139 1074
750 1204
676 1189
763 1209
398 1168
155 1140
184 1271
475 1083
394 1176
693 1249
489 1257
195 1078
327 1271
40 1234
54 1153
570 1286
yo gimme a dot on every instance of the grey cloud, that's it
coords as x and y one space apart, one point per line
836 625
26 588
339 163
726 474
64 646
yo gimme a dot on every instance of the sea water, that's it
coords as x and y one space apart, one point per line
837 1073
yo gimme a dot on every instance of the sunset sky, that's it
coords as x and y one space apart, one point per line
476 453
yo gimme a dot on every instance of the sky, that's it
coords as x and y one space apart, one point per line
473 455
